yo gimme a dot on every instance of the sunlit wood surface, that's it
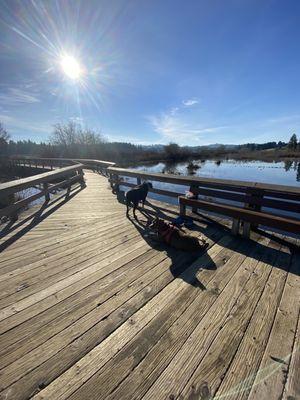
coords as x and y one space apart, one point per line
90 308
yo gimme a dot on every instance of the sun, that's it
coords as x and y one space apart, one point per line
71 67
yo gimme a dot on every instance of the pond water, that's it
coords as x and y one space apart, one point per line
280 173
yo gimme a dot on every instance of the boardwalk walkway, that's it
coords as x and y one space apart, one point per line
91 309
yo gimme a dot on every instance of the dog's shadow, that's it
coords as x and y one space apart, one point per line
183 265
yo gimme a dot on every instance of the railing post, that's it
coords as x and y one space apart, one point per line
47 194
182 209
115 182
253 194
81 179
235 226
192 190
138 180
246 229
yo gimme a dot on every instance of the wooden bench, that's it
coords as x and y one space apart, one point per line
252 211
238 214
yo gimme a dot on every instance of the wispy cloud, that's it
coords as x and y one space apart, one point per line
190 102
175 125
13 124
15 96
172 128
283 119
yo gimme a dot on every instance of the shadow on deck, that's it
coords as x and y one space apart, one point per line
92 308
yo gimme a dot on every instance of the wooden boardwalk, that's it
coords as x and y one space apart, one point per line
90 308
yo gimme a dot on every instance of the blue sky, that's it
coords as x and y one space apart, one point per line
193 72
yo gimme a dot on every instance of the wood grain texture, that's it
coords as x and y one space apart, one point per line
92 308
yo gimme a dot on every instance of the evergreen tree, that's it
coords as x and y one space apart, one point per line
4 138
293 142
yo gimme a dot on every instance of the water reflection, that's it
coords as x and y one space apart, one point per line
170 168
288 164
282 173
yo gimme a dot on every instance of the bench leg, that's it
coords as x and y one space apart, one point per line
235 226
182 209
246 229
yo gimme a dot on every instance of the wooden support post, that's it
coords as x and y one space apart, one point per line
256 194
192 190
182 209
116 184
81 179
47 194
235 226
246 229
69 184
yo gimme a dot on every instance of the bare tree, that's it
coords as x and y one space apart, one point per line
75 141
172 150
64 134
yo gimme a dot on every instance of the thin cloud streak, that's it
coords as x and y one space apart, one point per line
172 128
17 96
13 123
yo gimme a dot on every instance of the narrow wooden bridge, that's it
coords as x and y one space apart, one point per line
90 308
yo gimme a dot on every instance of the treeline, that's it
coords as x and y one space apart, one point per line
72 141
262 146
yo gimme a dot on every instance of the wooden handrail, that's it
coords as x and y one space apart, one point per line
72 174
221 184
84 161
24 183
251 196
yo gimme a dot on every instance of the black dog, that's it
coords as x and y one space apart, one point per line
137 194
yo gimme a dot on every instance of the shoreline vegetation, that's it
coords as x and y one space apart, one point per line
71 140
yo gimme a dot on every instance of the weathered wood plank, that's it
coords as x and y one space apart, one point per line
63 360
240 375
272 373
159 340
106 313
175 287
212 369
176 375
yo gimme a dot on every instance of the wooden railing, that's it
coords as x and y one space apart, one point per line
51 163
249 195
255 196
66 176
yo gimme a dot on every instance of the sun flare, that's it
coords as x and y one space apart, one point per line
71 67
